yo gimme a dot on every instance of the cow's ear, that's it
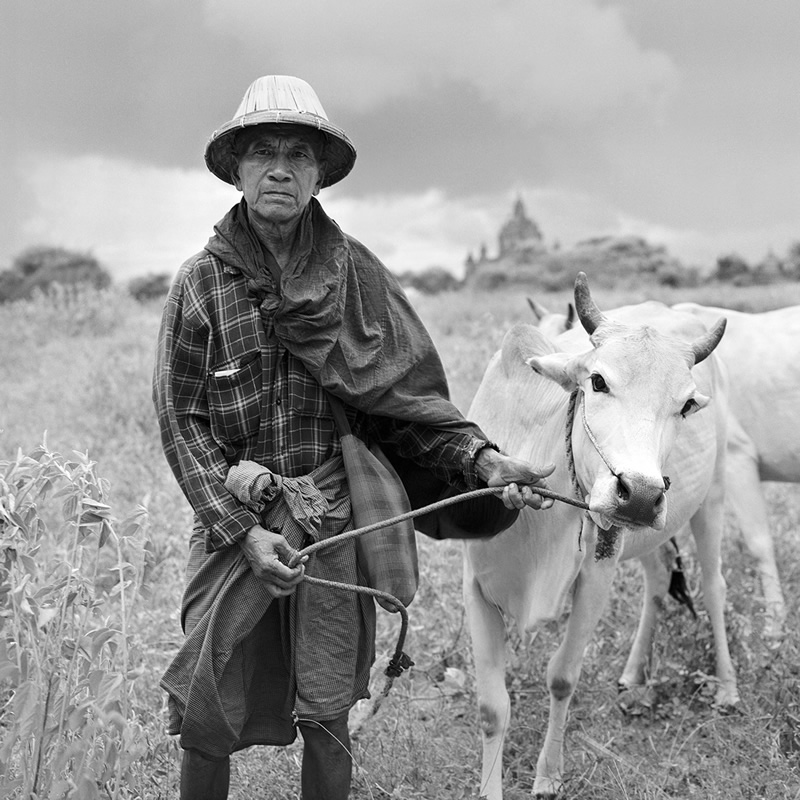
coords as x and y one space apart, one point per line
558 367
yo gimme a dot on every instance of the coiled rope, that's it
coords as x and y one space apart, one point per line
400 661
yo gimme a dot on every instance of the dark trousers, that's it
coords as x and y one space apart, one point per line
325 775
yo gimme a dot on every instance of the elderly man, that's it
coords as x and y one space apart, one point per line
278 312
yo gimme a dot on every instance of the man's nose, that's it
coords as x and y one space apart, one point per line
279 167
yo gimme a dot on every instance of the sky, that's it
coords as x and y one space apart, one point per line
676 120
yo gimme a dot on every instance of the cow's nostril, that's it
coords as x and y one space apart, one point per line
623 492
638 499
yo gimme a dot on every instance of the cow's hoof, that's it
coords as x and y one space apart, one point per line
774 631
547 788
637 700
726 700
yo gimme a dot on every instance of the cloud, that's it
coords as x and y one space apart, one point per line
135 219
417 231
530 59
702 248
140 220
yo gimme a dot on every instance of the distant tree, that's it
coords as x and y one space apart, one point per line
733 268
675 275
431 281
791 264
769 270
150 287
39 268
490 280
10 284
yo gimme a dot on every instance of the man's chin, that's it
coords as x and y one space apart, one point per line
277 210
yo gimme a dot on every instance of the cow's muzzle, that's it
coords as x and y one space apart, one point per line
640 500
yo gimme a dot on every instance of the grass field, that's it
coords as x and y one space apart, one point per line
79 370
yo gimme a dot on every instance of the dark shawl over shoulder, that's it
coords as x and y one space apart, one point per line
345 316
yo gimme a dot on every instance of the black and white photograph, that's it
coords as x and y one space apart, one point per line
400 401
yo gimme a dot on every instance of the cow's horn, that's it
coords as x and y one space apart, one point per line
588 312
703 346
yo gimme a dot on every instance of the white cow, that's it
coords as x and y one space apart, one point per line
636 388
762 353
551 323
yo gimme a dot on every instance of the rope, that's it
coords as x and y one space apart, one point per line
596 444
400 661
573 400
418 512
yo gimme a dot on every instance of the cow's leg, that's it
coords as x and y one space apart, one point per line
487 630
588 604
706 527
746 498
656 585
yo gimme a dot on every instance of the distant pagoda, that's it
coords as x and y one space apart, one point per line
520 242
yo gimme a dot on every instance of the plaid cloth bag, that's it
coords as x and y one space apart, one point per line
387 557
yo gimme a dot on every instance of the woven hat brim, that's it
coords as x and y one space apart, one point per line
340 154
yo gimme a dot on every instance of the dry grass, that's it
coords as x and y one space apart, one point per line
83 374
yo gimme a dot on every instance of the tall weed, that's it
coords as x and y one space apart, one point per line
69 576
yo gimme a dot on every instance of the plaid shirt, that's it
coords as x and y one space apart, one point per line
225 390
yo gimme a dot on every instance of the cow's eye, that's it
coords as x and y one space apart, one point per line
598 383
688 407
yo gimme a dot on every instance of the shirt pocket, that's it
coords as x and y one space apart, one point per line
306 397
235 389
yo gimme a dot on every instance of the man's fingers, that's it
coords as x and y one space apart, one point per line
286 576
296 559
518 497
277 574
512 497
535 500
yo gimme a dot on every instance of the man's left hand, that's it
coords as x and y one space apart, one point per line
519 477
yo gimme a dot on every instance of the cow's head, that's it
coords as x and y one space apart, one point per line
635 391
551 323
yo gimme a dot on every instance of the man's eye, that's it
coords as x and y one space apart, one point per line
598 383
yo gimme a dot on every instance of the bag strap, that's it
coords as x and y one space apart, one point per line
339 415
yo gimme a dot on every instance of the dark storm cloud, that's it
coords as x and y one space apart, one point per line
138 80
142 80
451 136
150 80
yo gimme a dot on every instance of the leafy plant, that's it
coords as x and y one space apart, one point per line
69 576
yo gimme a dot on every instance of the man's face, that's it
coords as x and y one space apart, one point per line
279 171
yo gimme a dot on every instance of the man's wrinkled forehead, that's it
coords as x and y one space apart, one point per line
271 134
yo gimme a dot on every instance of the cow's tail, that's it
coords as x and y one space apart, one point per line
678 587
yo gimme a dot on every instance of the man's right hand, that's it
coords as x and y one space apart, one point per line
268 553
